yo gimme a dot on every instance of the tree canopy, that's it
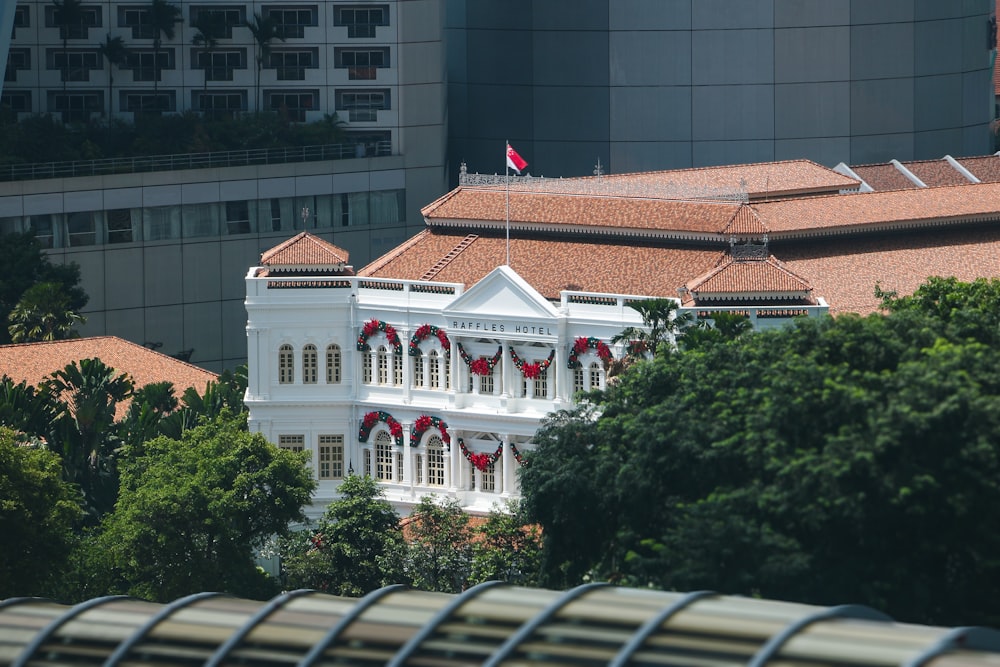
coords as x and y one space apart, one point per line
193 513
849 459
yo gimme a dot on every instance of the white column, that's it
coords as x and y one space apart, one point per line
507 460
550 380
505 372
449 482
426 362
564 375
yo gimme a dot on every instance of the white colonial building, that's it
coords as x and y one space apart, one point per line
429 387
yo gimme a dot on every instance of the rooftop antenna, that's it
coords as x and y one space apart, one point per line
598 170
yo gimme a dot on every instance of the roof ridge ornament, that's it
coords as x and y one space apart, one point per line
748 249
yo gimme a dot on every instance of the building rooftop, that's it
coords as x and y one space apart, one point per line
34 362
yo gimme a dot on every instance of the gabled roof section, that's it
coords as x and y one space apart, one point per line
305 251
33 362
748 278
502 293
745 222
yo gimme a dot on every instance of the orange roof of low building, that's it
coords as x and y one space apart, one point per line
34 362
302 250
751 278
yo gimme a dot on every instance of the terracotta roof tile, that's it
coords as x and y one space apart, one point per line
882 209
33 362
745 221
551 265
759 180
986 168
883 177
562 210
764 277
304 249
935 173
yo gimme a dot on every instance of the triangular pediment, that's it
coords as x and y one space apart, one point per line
501 295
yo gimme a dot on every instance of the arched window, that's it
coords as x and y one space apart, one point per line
435 461
578 385
383 456
366 368
309 362
596 371
383 366
286 367
418 372
333 364
434 368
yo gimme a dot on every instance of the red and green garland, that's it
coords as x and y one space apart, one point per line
425 331
481 366
482 462
528 369
372 418
425 422
582 344
372 327
636 348
518 456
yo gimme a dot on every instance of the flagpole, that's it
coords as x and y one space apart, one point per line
506 168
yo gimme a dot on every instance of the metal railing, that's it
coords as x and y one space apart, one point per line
147 163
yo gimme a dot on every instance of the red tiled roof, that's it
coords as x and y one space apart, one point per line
936 173
882 209
759 180
986 168
883 177
33 362
763 277
304 249
550 265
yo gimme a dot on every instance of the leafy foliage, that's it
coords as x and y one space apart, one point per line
506 548
43 314
25 266
837 460
356 547
439 555
38 511
192 512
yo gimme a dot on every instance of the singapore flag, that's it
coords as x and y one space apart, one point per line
515 161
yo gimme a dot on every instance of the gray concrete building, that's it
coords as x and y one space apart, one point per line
659 84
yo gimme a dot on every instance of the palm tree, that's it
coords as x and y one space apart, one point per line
264 30
114 52
43 313
68 13
209 28
162 16
87 435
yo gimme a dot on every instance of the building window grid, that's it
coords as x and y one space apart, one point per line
418 472
595 372
309 364
219 104
330 455
435 461
366 456
488 479
383 366
397 370
361 64
137 19
76 106
18 59
291 22
361 22
434 369
22 19
74 65
286 368
225 18
90 17
148 65
219 65
148 102
362 105
383 457
418 372
366 369
19 101
399 466
292 105
291 65
294 443
333 371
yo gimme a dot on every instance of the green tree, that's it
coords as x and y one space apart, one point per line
163 16
356 547
439 555
27 264
193 512
113 50
87 434
38 511
836 460
506 548
264 30
68 14
43 314
27 410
